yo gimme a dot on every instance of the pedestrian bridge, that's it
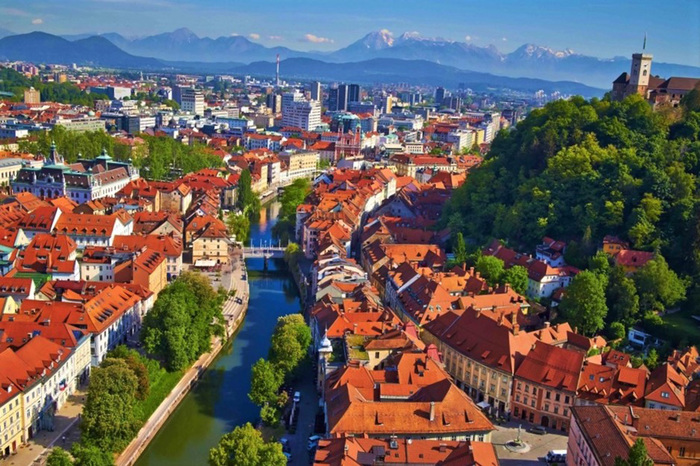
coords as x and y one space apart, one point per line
266 252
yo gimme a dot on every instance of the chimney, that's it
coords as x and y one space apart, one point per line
432 411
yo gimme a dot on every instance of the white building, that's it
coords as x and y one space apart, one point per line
192 101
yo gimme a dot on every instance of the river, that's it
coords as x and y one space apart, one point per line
220 401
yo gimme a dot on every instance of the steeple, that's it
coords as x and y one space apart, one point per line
54 157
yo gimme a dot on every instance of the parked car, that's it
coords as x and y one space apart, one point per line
556 456
538 430
313 442
288 456
285 444
297 397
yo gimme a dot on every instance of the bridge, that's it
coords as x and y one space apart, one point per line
264 249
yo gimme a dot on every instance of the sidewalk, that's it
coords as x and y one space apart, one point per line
65 424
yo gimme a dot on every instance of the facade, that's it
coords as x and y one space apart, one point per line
192 101
301 114
81 182
300 164
545 385
81 124
32 96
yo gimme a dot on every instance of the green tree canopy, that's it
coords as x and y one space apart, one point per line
90 455
245 447
491 268
289 343
638 456
265 382
109 421
583 304
59 457
183 320
621 298
659 287
517 277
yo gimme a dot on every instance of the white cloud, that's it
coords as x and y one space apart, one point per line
316 39
13 12
468 38
37 21
504 39
235 34
274 37
254 36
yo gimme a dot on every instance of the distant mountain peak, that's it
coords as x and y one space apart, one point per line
537 51
184 34
378 40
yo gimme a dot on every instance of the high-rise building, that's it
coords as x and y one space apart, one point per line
338 98
192 101
289 97
316 93
440 95
388 104
302 114
32 96
353 93
274 102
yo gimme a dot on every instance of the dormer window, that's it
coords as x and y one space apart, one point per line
665 395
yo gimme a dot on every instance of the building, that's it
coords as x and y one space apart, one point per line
656 90
440 94
353 93
94 230
301 114
545 385
192 101
599 434
338 98
412 398
300 164
32 96
81 182
9 168
316 92
352 451
80 124
274 102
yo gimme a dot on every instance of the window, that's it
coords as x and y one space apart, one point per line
556 410
376 354
527 388
665 395
566 399
557 397
546 406
681 451
548 394
534 390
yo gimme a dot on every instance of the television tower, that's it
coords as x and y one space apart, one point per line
277 76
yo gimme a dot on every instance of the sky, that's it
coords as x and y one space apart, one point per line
602 28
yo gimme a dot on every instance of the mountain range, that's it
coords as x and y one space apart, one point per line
529 60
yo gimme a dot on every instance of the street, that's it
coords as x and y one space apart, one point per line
539 444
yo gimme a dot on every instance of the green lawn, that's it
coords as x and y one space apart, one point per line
162 383
682 327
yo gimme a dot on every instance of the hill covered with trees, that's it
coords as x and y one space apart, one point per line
578 170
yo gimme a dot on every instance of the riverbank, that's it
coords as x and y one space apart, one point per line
234 311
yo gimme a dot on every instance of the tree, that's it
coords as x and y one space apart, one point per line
239 226
245 447
517 277
137 364
109 420
652 359
289 342
583 304
88 455
183 320
460 249
248 201
638 456
491 268
265 382
600 263
617 331
659 287
621 298
59 457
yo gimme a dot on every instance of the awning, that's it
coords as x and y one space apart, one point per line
205 263
483 405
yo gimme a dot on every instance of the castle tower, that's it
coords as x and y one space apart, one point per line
640 72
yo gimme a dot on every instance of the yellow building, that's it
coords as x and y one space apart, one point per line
10 417
32 96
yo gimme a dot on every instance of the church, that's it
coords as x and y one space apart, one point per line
82 181
657 91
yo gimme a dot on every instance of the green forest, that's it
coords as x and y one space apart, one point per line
578 170
65 93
